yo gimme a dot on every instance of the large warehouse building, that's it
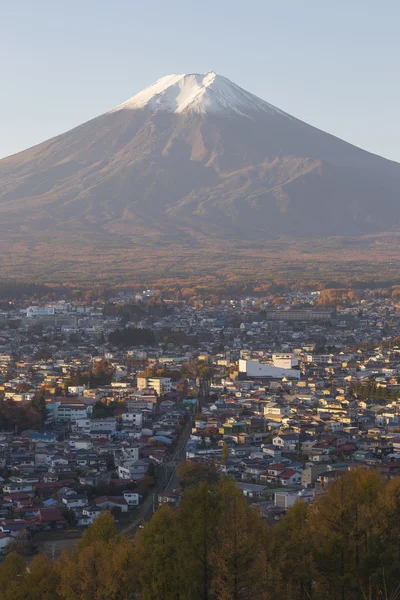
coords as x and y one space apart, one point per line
254 369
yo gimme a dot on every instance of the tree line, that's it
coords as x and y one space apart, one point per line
214 546
370 390
101 373
17 416
132 336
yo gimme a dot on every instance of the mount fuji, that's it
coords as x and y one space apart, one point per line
191 160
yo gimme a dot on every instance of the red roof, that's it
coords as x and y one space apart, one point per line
24 509
122 482
51 485
287 474
17 496
114 499
345 447
12 521
100 442
47 515
26 502
168 495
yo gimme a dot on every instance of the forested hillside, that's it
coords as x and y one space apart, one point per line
344 546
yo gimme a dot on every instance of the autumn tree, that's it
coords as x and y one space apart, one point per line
18 417
130 336
289 547
104 570
102 374
238 555
213 546
102 530
38 404
11 576
161 569
192 473
225 453
103 567
342 523
41 580
199 515
387 526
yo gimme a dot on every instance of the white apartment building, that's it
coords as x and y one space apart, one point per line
108 424
71 412
162 385
132 418
285 361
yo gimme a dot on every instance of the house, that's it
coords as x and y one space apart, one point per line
134 470
285 499
251 490
57 461
290 477
81 443
131 498
328 477
43 438
130 452
167 498
334 425
73 500
276 412
253 472
275 469
5 539
13 527
272 451
109 502
310 474
93 478
286 441
58 469
88 515
45 489
13 487
362 455
48 518
100 434
16 497
272 473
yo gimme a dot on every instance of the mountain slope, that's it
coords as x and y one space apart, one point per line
193 158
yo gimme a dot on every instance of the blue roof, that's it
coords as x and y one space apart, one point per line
163 439
36 435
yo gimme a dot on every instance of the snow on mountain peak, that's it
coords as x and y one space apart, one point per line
198 93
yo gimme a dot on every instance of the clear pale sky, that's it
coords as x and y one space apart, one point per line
332 63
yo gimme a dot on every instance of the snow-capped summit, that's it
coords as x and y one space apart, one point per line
199 93
190 178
